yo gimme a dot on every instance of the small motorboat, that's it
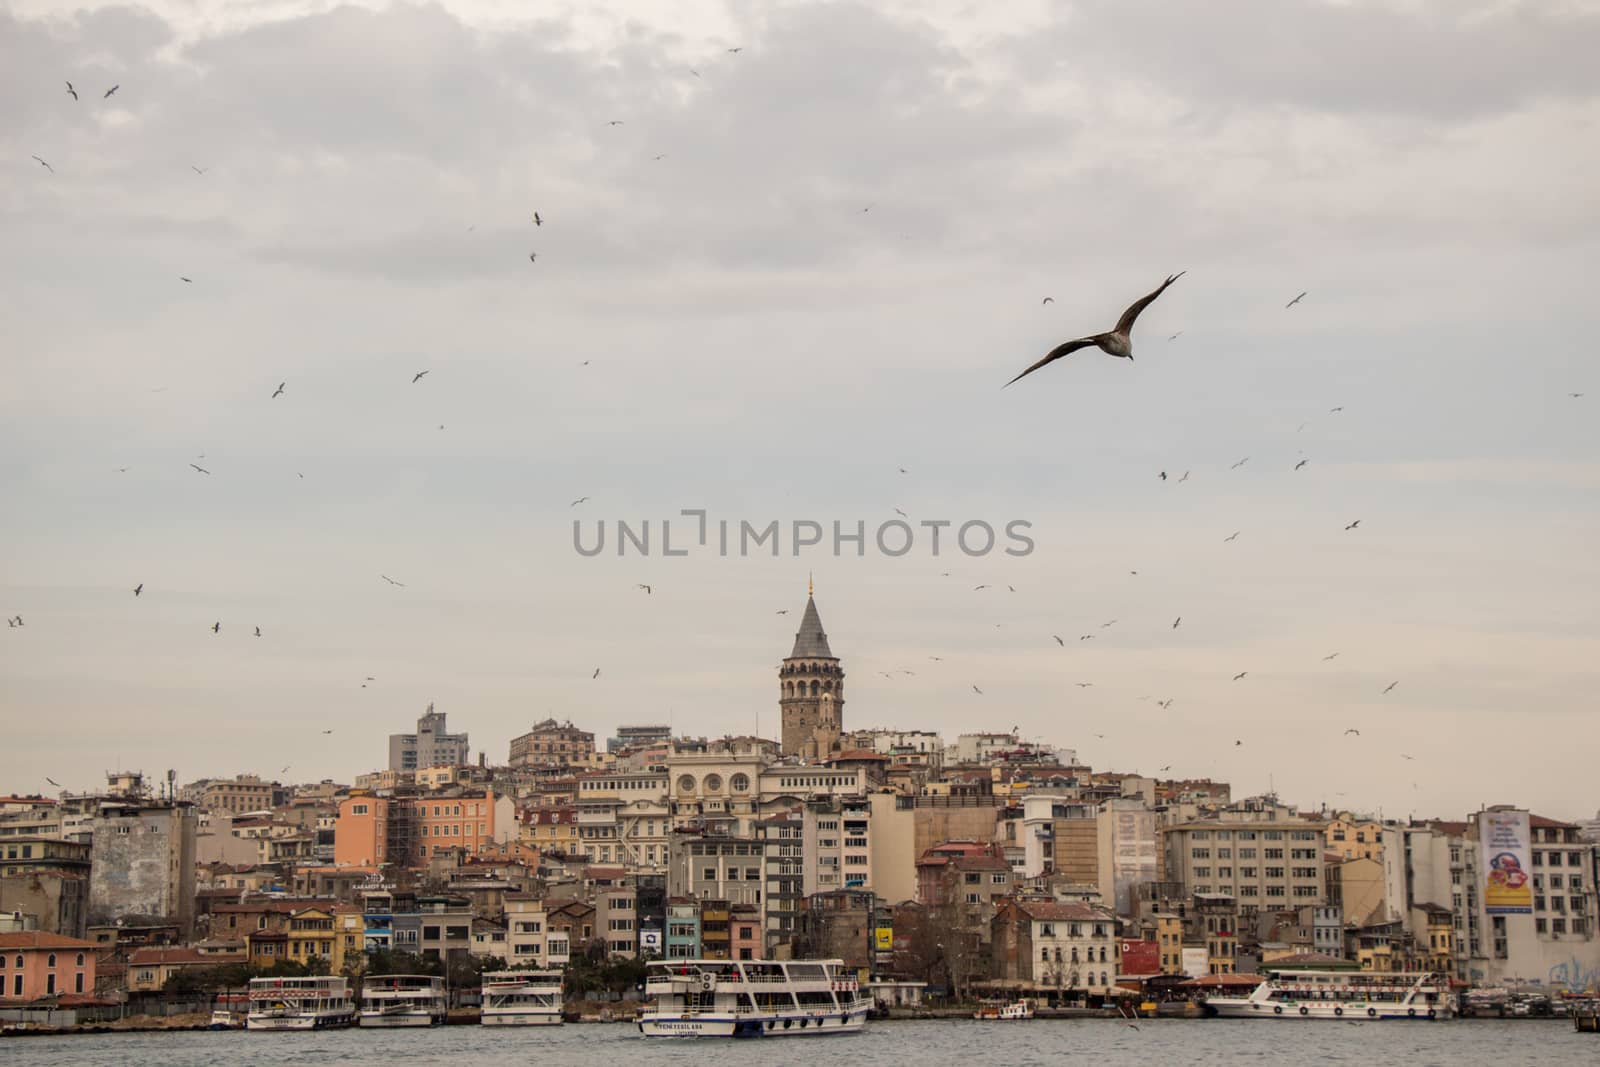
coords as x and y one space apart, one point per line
1016 1009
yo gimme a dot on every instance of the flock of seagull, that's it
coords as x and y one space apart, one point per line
1116 342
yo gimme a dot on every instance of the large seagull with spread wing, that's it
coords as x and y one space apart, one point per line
1117 342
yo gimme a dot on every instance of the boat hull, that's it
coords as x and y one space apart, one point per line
333 1021
520 1018
396 1020
1342 1011
752 1025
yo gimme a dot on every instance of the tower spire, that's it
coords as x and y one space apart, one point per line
811 585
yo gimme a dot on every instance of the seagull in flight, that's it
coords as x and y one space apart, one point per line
1331 655
198 170
785 611
181 278
975 689
278 392
1163 475
138 589
327 731
595 675
417 377
647 590
1231 536
258 631
1295 301
1086 637
1241 674
1332 411
1168 767
578 501
52 781
1239 464
978 587
216 627
391 581
1164 704
1104 625
1175 336
614 122
71 91
1060 642
1353 730
736 51
45 165
201 469
1404 756
537 221
111 90
1391 685
1574 395
533 257
1176 621
1353 525
1184 478
1047 300
1302 463
1084 685
937 659
900 513
1117 342
1236 744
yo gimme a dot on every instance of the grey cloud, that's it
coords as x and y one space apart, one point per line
1441 59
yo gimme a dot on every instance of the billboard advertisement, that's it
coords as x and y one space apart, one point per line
1503 838
1140 957
884 938
650 941
1196 962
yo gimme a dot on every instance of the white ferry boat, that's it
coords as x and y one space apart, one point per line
521 998
403 1000
752 998
1348 995
300 1004
1016 1009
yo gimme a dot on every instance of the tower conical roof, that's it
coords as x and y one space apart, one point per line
811 641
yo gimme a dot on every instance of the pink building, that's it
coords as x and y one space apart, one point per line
744 937
34 965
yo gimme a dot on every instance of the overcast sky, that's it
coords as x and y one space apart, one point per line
788 273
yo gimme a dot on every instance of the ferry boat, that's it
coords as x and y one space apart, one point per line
1347 995
752 998
521 998
300 1004
403 1000
1017 1009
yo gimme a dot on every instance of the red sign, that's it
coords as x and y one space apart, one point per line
1140 957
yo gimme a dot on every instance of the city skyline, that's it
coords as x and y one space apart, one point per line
804 313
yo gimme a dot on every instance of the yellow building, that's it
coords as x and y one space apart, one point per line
1353 838
1169 938
350 928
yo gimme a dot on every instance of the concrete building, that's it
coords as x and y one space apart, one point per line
430 746
1261 863
46 879
1061 836
616 918
553 745
728 869
142 862
811 691
631 738
244 793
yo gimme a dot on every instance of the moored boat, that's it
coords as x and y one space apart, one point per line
391 1000
521 998
1346 995
752 998
1016 1009
300 1004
